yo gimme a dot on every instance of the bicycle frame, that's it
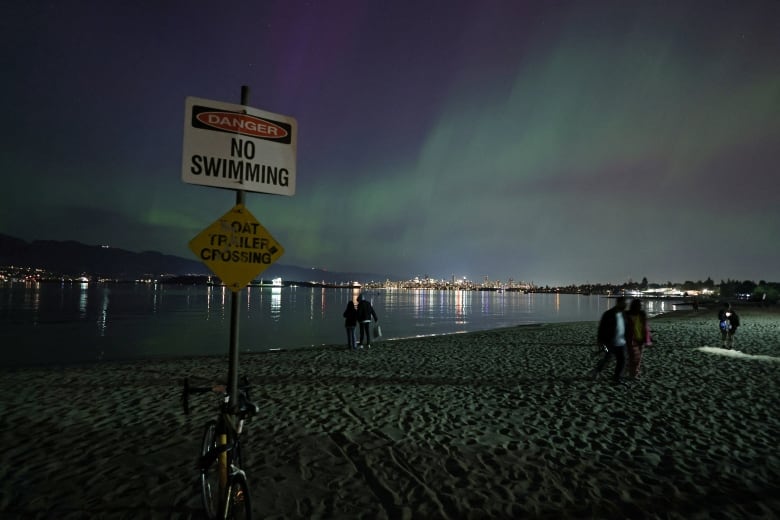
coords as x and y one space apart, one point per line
223 481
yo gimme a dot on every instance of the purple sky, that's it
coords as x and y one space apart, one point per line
554 142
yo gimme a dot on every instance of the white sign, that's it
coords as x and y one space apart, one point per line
238 147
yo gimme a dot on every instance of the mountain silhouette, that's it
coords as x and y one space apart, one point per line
71 258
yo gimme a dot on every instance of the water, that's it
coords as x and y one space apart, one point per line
69 323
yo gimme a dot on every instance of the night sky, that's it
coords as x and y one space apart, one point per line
555 142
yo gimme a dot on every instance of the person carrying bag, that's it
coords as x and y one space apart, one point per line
365 311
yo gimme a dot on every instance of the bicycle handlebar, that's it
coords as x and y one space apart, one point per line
246 407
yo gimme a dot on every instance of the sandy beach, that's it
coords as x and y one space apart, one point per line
496 424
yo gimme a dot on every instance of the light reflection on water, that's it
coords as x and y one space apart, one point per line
276 303
52 323
103 317
83 299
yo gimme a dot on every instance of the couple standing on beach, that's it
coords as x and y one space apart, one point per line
361 315
728 322
623 332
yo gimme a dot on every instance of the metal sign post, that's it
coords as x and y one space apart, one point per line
234 305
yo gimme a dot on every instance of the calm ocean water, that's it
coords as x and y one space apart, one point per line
71 323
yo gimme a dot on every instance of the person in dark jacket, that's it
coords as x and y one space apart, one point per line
612 335
350 322
365 311
729 322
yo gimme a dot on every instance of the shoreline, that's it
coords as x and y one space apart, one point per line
749 309
501 423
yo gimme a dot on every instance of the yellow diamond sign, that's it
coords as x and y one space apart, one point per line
236 248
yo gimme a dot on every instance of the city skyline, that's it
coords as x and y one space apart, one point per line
29 269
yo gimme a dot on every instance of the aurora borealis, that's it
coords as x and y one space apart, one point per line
555 142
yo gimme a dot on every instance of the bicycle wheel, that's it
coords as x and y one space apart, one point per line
239 504
209 474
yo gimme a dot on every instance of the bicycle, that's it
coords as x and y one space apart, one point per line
223 482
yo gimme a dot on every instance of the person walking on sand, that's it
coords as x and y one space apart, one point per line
365 311
612 335
728 321
350 322
637 336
